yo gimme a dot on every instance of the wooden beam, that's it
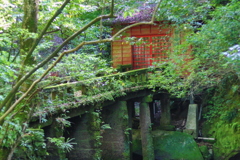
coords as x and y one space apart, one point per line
205 138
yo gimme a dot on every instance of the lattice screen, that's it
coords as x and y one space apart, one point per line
153 49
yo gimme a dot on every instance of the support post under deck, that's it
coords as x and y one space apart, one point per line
165 110
145 124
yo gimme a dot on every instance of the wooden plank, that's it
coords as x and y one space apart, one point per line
126 51
116 56
126 58
115 47
205 138
126 62
116 52
117 43
129 55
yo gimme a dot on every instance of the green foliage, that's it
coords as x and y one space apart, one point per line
75 16
207 66
11 57
230 115
33 146
214 104
222 117
62 144
106 126
7 73
168 78
63 122
92 91
10 131
10 62
82 66
183 11
127 131
9 13
217 34
221 102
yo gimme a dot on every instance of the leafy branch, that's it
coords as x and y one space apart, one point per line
54 54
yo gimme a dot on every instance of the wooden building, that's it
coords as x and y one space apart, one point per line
154 46
156 41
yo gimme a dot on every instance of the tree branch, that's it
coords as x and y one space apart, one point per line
53 31
70 38
36 41
132 25
29 54
11 108
155 11
54 54
112 9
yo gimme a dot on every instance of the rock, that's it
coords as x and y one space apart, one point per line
170 145
166 127
175 145
205 152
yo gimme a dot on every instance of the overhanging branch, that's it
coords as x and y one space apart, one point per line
36 41
155 11
54 54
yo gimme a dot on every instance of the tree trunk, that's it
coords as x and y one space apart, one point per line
30 24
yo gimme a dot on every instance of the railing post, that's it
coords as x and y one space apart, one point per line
191 124
80 90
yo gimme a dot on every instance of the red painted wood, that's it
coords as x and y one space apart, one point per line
154 48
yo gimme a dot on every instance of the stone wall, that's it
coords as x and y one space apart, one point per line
85 130
116 141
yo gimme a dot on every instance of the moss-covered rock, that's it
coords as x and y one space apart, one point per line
227 137
136 142
223 119
170 145
4 153
175 145
205 152
166 127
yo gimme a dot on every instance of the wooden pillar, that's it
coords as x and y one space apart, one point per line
165 110
145 124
